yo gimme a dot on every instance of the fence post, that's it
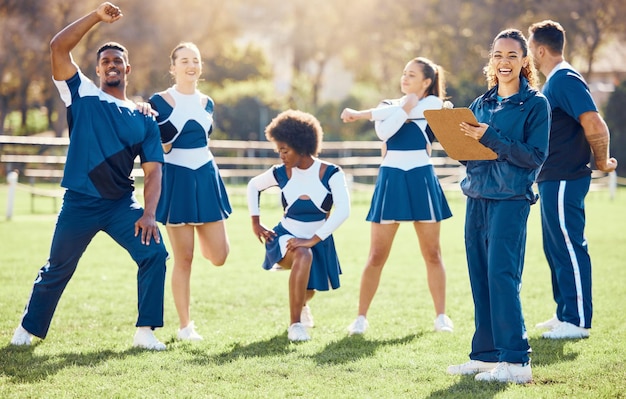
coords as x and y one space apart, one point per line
12 181
612 184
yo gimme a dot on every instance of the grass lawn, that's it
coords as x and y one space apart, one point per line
242 312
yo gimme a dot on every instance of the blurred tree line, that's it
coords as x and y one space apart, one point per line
243 41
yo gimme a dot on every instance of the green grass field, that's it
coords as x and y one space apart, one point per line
241 310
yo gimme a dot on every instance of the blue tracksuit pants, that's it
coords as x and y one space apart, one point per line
495 241
564 244
81 217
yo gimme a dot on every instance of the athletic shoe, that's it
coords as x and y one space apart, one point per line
443 323
189 333
144 338
549 324
358 326
508 372
21 337
297 332
471 367
566 330
306 317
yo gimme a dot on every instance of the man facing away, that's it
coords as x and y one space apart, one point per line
107 133
577 131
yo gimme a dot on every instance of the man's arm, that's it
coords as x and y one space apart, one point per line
151 192
62 43
597 134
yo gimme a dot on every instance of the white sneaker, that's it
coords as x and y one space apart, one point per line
189 333
306 317
508 372
471 367
358 326
297 332
21 337
549 324
443 324
566 330
144 338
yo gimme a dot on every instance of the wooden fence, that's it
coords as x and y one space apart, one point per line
39 158
42 158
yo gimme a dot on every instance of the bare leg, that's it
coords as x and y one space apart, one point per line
381 238
182 242
299 260
428 236
214 242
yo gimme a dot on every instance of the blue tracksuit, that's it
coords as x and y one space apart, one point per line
499 197
106 135
563 185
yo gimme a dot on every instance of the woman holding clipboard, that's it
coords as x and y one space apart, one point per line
514 122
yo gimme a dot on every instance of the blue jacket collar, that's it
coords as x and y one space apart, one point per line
525 91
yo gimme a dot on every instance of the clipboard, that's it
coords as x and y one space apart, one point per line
445 125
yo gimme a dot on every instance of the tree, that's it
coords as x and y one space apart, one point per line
306 36
240 82
21 66
373 39
237 63
588 25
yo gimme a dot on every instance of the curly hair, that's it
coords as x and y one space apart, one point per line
528 71
299 130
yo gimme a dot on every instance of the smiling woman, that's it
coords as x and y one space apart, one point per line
499 198
193 196
509 60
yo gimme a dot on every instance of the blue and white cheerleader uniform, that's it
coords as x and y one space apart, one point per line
307 200
407 188
193 191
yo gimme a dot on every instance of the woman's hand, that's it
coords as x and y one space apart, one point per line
262 233
350 115
409 102
294 243
146 109
475 132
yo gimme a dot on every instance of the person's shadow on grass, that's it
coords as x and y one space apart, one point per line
345 350
468 387
550 351
19 364
351 348
274 346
